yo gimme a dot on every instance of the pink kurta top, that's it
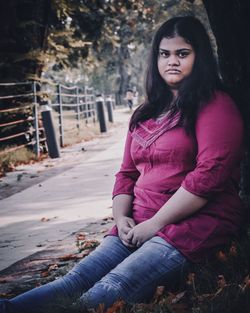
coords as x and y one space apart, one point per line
160 157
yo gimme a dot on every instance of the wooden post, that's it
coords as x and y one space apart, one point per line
109 108
100 113
54 151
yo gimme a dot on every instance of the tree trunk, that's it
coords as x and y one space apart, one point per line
23 27
124 76
230 22
23 38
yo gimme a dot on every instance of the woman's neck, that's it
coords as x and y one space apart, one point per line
175 93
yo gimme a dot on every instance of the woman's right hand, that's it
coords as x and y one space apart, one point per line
124 225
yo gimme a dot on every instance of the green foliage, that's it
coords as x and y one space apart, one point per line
102 43
49 36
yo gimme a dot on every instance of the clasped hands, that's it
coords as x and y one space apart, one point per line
133 235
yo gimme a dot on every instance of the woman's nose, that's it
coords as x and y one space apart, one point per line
173 60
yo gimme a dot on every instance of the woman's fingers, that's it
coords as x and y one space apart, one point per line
129 245
127 229
131 223
130 234
132 238
138 244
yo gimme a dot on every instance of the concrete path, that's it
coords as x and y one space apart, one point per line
65 202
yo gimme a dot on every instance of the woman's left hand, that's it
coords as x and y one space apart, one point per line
142 232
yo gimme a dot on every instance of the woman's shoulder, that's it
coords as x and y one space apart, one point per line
220 102
218 114
223 97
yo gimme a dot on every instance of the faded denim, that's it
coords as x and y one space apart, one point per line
109 273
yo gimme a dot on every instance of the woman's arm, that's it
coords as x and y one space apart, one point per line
123 193
128 173
122 205
181 205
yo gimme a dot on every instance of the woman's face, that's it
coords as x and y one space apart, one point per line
175 61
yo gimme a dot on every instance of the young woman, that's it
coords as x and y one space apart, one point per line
175 197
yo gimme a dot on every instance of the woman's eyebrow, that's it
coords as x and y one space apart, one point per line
183 49
178 50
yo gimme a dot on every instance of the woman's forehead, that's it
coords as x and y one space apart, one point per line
174 43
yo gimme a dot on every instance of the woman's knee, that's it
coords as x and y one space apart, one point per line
102 260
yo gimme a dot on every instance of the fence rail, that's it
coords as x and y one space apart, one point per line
68 102
75 103
25 129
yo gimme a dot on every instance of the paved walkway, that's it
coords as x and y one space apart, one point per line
76 193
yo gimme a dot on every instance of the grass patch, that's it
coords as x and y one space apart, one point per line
86 132
10 160
72 134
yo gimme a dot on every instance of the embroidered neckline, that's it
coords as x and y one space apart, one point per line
145 136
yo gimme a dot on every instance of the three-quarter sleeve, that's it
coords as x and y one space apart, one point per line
219 134
128 173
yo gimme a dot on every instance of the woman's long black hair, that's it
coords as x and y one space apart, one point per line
195 90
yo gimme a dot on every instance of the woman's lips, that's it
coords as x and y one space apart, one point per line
173 71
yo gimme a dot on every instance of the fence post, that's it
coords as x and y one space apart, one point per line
88 100
93 108
53 148
113 101
100 113
85 115
36 122
60 116
109 108
78 108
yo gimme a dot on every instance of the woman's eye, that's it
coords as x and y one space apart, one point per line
164 54
182 54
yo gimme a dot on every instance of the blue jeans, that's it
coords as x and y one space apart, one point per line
111 272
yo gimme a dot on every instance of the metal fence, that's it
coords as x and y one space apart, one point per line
28 104
78 104
73 103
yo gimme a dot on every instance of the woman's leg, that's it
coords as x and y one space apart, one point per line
138 275
60 293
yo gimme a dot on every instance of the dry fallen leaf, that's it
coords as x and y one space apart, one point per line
221 256
221 281
68 257
246 283
45 274
116 307
44 219
81 236
108 218
104 231
87 244
178 297
233 250
53 267
158 293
